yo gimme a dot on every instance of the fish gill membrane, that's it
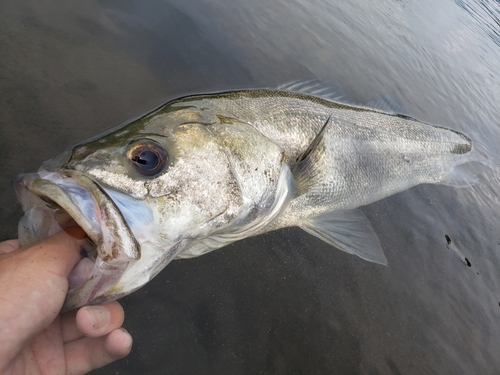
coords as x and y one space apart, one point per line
201 172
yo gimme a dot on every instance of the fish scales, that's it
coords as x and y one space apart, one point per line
369 154
204 171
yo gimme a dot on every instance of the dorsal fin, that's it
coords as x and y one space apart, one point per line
387 103
316 87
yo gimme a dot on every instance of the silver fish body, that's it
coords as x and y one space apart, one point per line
204 171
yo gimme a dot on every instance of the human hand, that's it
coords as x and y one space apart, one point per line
34 337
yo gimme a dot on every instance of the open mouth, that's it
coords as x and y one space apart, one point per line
67 200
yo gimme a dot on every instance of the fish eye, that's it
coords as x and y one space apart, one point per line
148 157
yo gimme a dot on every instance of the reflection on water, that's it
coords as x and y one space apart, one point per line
284 302
485 15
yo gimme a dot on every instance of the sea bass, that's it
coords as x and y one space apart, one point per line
201 172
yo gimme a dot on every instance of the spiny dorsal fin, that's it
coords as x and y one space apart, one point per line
388 104
316 87
327 90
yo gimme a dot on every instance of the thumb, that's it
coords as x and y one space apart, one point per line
33 282
55 255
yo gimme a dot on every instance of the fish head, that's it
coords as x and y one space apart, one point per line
176 183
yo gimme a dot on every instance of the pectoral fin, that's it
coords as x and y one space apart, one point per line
349 231
309 169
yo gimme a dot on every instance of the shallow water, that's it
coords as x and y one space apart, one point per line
284 302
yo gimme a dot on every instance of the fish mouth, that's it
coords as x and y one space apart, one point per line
60 200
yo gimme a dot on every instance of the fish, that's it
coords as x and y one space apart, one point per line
203 171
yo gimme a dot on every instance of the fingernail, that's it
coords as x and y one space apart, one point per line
127 337
100 316
119 343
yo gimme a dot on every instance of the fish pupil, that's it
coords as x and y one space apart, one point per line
148 159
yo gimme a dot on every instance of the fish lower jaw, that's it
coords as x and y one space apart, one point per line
92 283
60 201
